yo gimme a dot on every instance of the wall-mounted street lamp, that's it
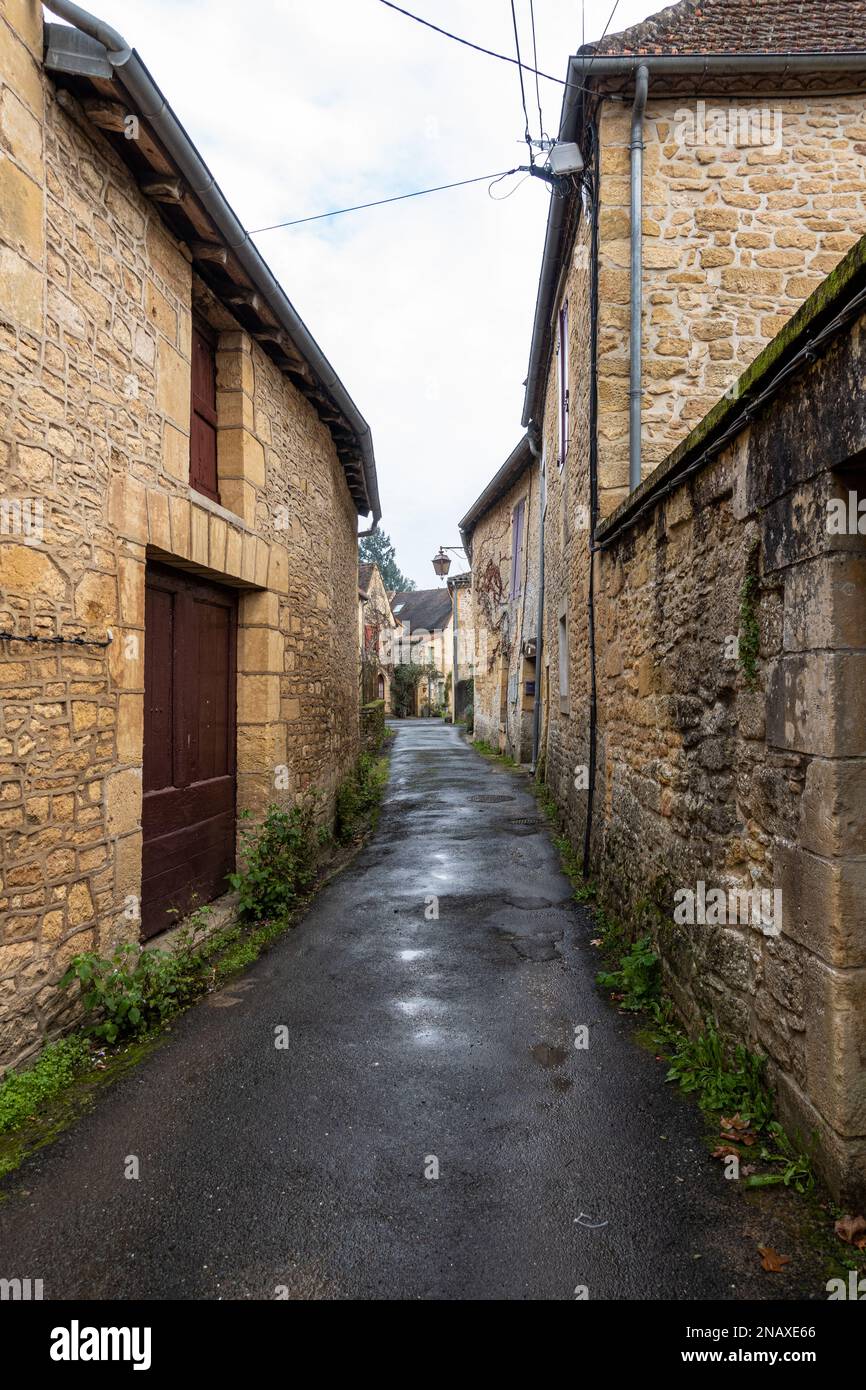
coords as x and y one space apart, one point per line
441 560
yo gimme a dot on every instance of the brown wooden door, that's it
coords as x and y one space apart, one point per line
188 812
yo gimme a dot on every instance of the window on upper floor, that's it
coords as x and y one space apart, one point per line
517 528
203 413
563 660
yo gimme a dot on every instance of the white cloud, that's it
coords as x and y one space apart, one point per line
423 307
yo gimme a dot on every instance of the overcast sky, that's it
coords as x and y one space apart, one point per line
424 308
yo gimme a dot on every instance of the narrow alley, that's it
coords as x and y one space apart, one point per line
417 1043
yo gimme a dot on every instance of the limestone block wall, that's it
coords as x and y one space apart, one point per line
96 300
749 201
707 776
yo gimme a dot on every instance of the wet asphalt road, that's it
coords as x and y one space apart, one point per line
411 1038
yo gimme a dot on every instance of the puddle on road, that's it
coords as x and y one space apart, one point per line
547 1056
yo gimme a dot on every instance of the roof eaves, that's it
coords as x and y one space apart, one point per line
77 54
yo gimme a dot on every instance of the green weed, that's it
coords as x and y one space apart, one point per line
637 982
727 1079
21 1093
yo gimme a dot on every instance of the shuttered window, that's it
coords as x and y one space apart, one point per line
516 546
203 418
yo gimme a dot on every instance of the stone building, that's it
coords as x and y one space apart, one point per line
424 637
376 625
182 476
501 535
462 645
736 130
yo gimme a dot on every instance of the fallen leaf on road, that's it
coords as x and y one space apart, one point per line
771 1260
735 1122
735 1137
736 1130
724 1151
852 1229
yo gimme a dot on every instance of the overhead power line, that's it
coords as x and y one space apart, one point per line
522 88
480 178
479 48
541 135
380 202
604 35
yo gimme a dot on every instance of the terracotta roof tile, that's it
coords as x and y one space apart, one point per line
745 26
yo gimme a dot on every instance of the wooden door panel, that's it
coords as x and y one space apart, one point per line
179 808
185 867
210 753
188 810
158 762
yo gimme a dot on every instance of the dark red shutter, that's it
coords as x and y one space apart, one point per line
203 421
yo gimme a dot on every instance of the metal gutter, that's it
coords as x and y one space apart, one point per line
118 49
723 64
641 93
126 65
587 67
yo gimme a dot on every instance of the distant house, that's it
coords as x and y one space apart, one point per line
463 644
424 638
500 534
375 632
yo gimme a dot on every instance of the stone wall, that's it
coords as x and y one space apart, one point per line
95 321
749 201
712 772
